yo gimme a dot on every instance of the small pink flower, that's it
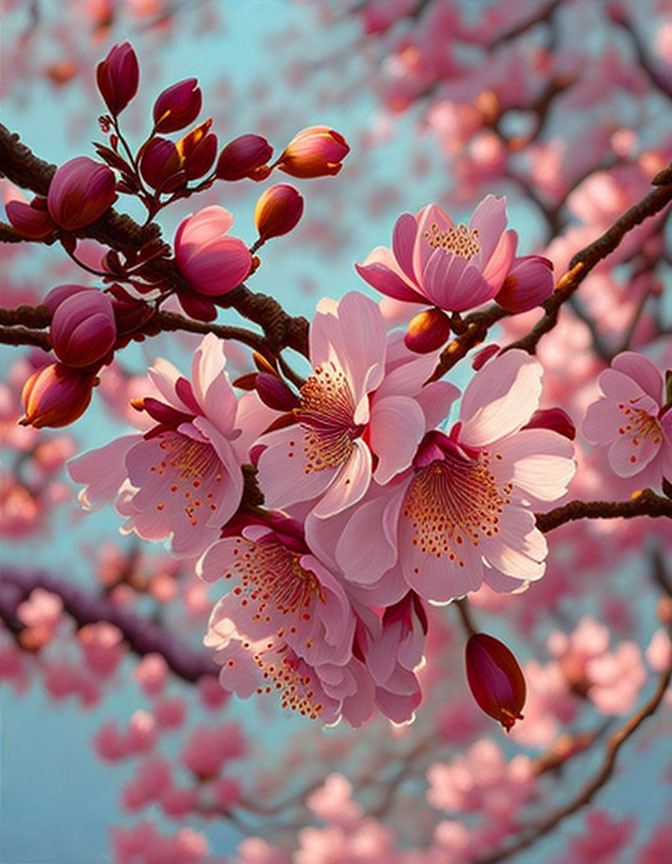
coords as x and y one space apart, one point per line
365 398
631 421
464 513
434 262
182 479
210 261
80 192
117 77
83 330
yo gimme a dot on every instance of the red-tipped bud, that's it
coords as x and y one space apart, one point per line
277 211
314 152
83 329
56 396
117 77
529 283
32 220
495 678
80 192
178 106
427 331
160 165
555 419
275 393
197 150
246 156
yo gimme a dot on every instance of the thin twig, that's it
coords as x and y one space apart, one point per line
647 503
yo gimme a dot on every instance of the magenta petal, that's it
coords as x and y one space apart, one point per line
403 240
387 282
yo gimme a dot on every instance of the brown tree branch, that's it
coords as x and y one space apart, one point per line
647 503
24 336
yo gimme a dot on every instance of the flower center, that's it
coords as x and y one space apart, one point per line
326 415
460 240
639 424
286 672
452 499
195 469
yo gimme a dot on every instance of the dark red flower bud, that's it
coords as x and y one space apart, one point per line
80 192
117 77
197 150
528 284
495 678
246 156
177 106
32 220
56 396
277 211
427 331
275 393
160 165
83 328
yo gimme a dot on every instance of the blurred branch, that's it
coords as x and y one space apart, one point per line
142 636
24 336
529 835
647 503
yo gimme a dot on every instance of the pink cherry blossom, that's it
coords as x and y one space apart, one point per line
432 261
182 478
364 399
632 422
464 513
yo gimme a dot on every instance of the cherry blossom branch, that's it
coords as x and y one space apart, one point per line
120 232
647 503
24 336
532 833
142 636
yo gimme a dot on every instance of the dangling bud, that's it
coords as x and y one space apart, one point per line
160 165
117 77
81 191
246 156
277 211
314 152
177 106
427 331
56 396
495 678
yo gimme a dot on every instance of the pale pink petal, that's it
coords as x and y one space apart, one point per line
164 377
622 388
627 458
470 289
519 549
216 559
350 483
602 422
368 544
252 417
282 470
489 219
384 279
210 384
403 241
642 370
499 265
103 470
397 427
362 342
436 400
500 398
428 216
386 591
442 272
542 462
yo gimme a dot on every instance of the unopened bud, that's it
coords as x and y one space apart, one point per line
80 192
246 156
528 284
427 331
160 165
32 220
314 152
197 150
495 678
117 77
277 211
177 106
56 396
83 328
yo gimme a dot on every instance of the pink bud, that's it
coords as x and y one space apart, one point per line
117 77
555 419
495 678
160 165
83 329
529 283
60 293
210 261
246 156
178 106
427 331
80 192
197 150
314 152
32 220
56 396
277 211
